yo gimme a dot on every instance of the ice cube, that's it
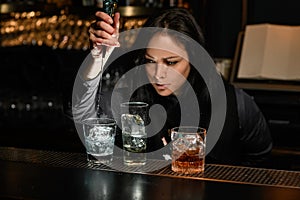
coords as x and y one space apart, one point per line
132 124
180 144
132 119
99 133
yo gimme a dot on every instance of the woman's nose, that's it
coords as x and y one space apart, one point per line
161 71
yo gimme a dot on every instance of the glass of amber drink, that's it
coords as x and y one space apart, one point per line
188 149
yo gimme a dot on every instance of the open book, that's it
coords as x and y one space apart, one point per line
270 52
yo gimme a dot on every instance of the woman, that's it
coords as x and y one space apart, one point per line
162 71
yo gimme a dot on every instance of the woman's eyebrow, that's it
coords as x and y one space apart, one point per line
149 55
171 57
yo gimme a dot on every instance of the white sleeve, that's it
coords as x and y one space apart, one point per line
86 86
84 98
84 92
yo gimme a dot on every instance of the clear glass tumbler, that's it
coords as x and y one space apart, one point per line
134 116
99 136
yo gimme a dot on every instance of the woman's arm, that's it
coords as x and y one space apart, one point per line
103 32
255 134
85 90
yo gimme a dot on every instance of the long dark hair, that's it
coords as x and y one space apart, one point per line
178 23
172 21
177 19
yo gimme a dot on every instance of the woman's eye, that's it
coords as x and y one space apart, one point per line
149 60
171 62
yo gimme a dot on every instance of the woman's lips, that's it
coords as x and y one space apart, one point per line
161 86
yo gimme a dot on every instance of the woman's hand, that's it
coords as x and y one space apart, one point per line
105 30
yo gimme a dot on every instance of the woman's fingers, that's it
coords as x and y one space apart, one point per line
100 33
104 17
117 23
105 31
102 25
105 39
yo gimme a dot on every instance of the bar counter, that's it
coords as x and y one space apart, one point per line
40 174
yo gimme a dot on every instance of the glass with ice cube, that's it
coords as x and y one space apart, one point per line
99 137
188 149
134 116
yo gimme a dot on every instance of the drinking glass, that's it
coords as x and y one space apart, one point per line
99 137
134 116
188 149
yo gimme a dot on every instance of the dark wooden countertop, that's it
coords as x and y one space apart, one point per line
36 174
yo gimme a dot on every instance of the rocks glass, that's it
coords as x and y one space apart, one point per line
188 149
99 136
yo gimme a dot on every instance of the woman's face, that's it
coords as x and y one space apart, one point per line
166 66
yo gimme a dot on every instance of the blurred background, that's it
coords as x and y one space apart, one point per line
43 43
